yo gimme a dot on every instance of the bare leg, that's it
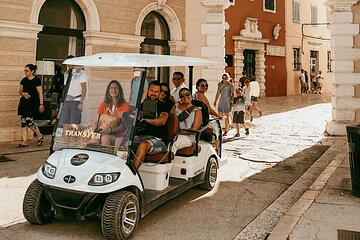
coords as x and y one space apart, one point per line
227 122
24 134
36 130
141 151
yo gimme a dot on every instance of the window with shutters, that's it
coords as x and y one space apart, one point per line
296 11
270 6
314 12
296 59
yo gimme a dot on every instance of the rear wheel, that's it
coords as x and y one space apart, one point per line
210 175
120 215
37 209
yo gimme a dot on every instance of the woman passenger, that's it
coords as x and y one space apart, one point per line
193 120
115 105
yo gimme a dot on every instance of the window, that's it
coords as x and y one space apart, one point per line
329 61
157 35
62 33
314 10
296 11
296 59
269 5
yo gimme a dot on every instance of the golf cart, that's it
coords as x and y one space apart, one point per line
87 177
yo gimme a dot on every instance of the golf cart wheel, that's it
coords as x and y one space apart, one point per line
120 215
210 175
37 209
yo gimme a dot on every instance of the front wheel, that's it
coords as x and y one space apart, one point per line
210 175
37 209
120 215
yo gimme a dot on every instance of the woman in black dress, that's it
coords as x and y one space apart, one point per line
31 103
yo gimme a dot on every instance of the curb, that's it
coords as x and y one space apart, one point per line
288 222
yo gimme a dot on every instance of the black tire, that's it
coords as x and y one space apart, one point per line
210 175
120 215
37 209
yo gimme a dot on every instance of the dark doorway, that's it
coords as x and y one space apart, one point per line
157 35
249 62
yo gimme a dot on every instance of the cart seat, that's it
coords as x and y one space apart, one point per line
172 125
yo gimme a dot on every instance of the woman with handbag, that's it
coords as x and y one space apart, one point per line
110 113
190 117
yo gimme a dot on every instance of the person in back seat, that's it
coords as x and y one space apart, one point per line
202 87
189 118
152 138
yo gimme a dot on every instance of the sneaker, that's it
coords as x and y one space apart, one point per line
237 135
225 134
246 131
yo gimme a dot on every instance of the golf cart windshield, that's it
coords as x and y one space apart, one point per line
116 84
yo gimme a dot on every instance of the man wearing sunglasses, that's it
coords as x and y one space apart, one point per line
178 81
151 139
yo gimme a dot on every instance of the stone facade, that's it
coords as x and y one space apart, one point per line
300 34
345 19
110 26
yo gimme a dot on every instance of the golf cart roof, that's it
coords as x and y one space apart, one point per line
138 60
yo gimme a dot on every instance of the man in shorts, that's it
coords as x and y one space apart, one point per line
151 139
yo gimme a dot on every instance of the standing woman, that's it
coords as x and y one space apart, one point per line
31 103
225 90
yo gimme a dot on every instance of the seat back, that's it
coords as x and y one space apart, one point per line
204 111
172 126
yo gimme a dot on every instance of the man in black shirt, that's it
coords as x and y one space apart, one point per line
152 138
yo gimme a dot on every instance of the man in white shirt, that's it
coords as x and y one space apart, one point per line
73 104
178 81
255 93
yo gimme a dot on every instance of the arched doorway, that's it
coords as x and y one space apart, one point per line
157 35
62 33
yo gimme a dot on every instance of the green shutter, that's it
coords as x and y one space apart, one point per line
270 5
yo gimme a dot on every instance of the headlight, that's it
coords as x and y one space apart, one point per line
101 179
49 170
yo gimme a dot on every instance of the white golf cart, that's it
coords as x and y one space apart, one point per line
85 176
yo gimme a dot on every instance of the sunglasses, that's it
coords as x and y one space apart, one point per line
177 79
225 78
185 95
164 91
204 85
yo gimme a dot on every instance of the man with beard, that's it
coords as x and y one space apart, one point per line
151 139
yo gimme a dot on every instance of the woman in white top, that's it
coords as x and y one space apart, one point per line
255 93
192 121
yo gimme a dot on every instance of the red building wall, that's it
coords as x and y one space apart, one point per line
275 67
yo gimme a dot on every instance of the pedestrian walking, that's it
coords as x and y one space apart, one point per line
239 112
255 93
306 82
302 82
30 105
247 92
225 91
320 81
313 81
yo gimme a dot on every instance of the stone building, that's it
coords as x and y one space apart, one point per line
345 45
255 42
46 31
307 42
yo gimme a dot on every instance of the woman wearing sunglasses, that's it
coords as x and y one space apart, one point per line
189 117
225 91
202 87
